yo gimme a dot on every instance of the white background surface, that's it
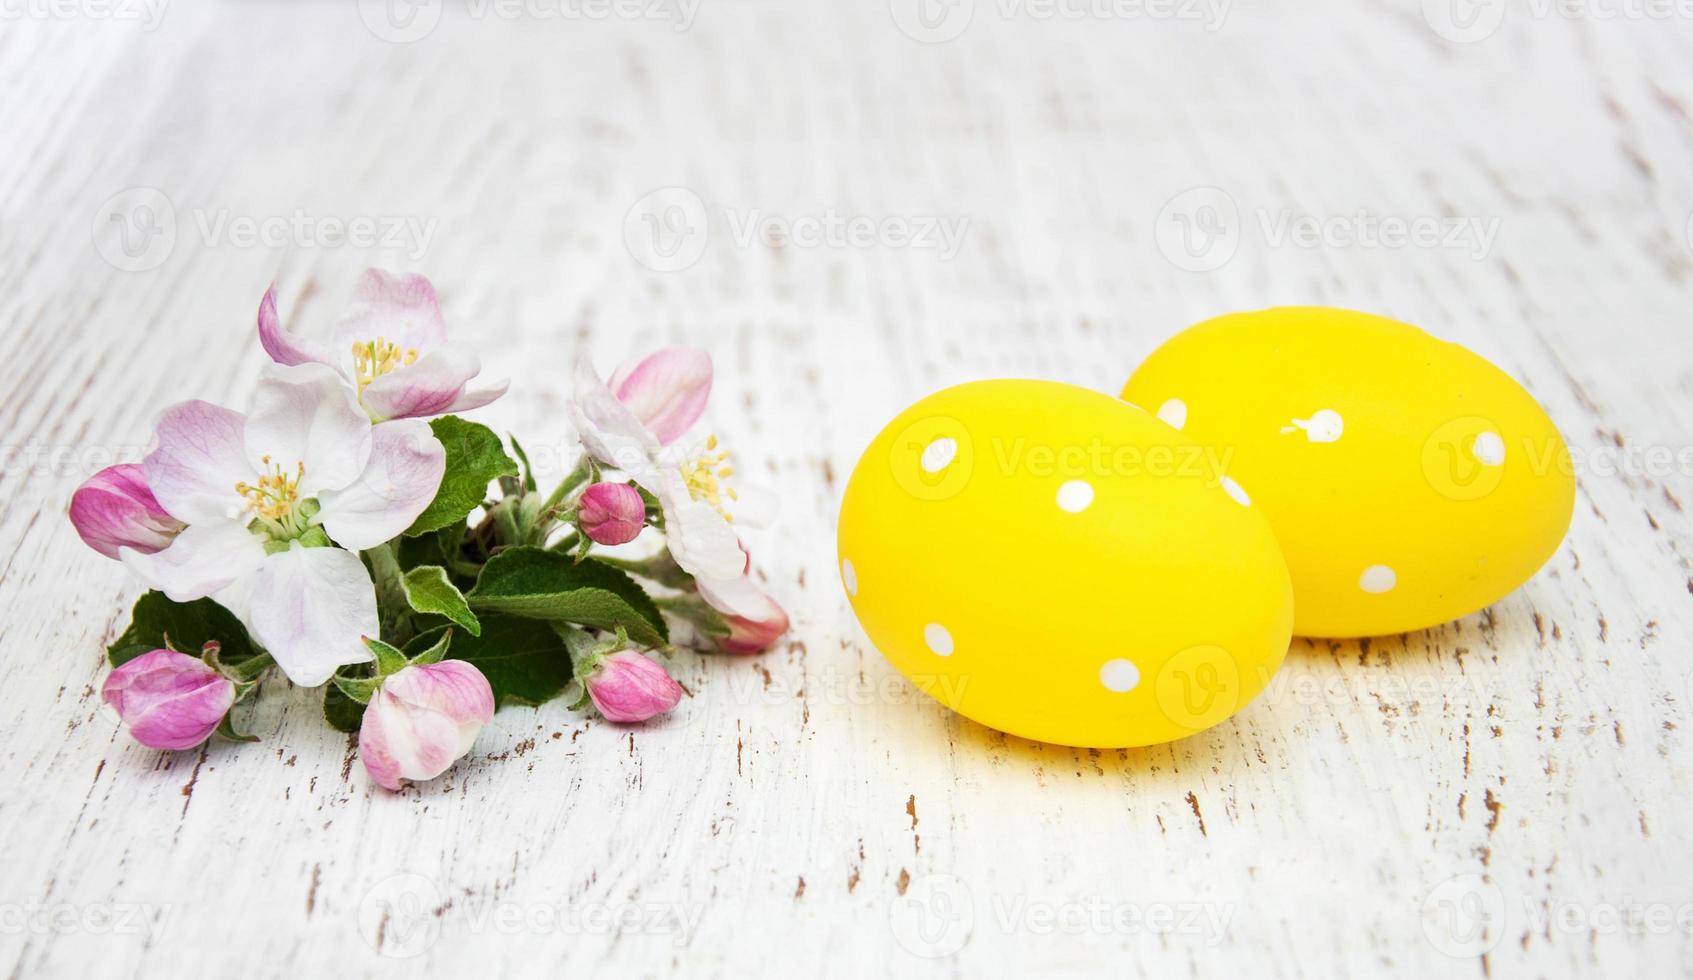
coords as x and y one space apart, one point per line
1507 795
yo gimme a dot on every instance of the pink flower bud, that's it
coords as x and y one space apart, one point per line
611 513
422 719
755 621
627 686
169 700
115 509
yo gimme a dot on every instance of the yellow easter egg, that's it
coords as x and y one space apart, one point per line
1409 481
1056 564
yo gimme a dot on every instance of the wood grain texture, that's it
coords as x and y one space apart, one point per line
807 811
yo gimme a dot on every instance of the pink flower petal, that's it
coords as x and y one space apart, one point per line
310 607
755 620
115 509
375 751
405 470
198 459
628 687
667 390
204 558
611 513
282 346
423 719
401 309
306 415
432 385
168 700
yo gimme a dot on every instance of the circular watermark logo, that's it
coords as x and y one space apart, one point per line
1464 459
1199 229
666 231
932 458
1198 687
1464 21
932 21
135 229
1464 915
400 21
401 916
934 917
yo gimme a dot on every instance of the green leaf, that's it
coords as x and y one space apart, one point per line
360 689
436 653
389 658
541 584
522 659
429 590
227 729
528 470
342 712
189 625
475 458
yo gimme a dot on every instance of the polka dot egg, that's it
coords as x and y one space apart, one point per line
1054 563
1409 481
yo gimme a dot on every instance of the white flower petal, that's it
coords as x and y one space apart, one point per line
406 466
699 538
754 506
310 607
307 414
480 396
203 559
737 597
608 429
197 460
401 309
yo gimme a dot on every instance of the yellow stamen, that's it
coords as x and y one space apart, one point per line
276 494
703 477
374 358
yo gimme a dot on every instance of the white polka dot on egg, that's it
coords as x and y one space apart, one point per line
938 455
1489 449
849 577
1119 675
1075 496
1233 490
938 639
1173 413
1378 579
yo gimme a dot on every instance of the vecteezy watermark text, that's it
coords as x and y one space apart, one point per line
147 14
137 229
938 21
37 918
668 229
1201 228
405 914
936 915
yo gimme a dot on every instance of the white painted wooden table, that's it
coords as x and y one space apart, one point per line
1504 796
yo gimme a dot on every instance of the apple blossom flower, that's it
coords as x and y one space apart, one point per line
115 509
634 426
264 494
422 719
754 619
169 700
611 513
391 347
627 686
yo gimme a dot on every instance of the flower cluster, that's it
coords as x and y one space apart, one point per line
355 534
